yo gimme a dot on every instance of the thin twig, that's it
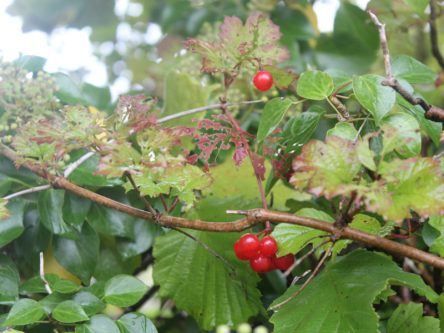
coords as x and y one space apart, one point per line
66 173
203 108
431 112
144 200
434 35
305 256
27 191
297 278
42 273
74 165
305 284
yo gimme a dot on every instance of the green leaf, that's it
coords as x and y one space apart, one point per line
326 168
340 298
30 63
441 311
12 226
100 97
418 6
281 78
365 155
415 184
52 300
183 92
194 278
315 85
437 245
110 263
75 210
402 130
24 312
299 130
98 324
272 115
373 96
69 312
292 238
68 91
408 318
124 290
9 280
144 234
135 323
50 205
78 256
89 302
343 130
63 286
411 70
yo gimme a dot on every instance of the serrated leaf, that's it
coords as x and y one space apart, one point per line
273 113
98 324
237 42
124 290
415 184
89 302
340 298
202 284
24 312
315 85
411 70
365 155
326 168
408 318
402 131
135 323
69 312
78 256
9 280
292 238
11 225
373 96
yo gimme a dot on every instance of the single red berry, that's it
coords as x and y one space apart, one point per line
268 246
247 247
261 264
283 263
263 80
238 251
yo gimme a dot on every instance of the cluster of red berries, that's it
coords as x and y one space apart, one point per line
263 80
261 253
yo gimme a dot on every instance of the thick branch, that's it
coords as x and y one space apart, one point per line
252 217
433 113
434 35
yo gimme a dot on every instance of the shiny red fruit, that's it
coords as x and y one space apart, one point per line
283 263
247 247
263 80
268 246
261 264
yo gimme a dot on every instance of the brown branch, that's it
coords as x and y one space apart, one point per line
252 217
431 112
434 35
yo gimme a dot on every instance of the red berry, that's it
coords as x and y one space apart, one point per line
263 80
247 247
283 263
261 264
268 246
